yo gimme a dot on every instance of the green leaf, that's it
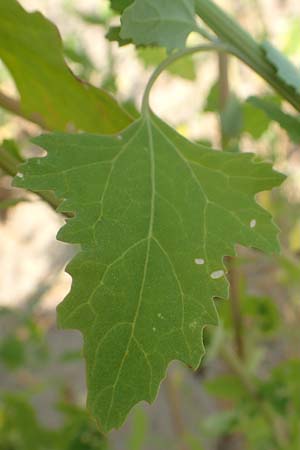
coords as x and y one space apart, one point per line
19 427
79 431
120 5
255 121
31 48
113 35
101 17
12 352
157 22
227 387
155 214
94 18
284 67
286 381
264 313
212 101
237 117
221 423
291 124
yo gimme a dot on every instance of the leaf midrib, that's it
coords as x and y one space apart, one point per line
146 263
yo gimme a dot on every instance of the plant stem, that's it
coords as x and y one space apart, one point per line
14 106
175 411
170 60
233 275
10 165
206 34
237 367
244 47
224 95
224 92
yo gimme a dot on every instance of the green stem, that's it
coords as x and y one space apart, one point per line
206 34
233 275
176 412
237 367
12 105
170 60
224 94
244 47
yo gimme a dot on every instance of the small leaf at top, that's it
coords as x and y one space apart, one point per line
159 22
284 67
154 214
113 35
120 5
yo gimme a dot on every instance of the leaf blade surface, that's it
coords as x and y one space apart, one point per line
155 214
156 22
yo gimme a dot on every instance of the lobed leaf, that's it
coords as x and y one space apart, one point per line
155 215
154 22
31 48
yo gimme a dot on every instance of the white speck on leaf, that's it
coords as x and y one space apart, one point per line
193 325
20 175
217 274
253 223
154 329
160 316
199 261
119 137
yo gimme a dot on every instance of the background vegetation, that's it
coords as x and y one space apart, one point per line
246 393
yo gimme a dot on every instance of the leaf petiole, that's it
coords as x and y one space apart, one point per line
170 60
